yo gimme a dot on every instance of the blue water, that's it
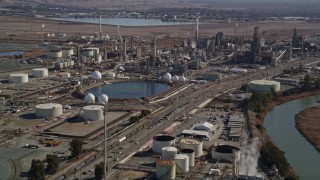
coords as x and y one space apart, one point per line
280 125
129 89
122 21
11 53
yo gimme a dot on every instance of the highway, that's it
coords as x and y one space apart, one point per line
188 99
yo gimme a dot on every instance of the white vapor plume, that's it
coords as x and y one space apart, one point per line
249 158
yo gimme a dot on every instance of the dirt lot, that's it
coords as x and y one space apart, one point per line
16 28
308 123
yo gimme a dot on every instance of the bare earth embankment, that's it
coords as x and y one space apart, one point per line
308 123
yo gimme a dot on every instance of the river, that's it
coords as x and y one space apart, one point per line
122 21
280 125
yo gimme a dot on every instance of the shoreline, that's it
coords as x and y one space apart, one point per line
306 124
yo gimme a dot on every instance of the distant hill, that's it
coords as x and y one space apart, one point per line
150 4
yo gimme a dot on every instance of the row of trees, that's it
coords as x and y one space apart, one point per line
37 169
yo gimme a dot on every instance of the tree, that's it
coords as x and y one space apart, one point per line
76 147
99 171
53 162
306 83
36 171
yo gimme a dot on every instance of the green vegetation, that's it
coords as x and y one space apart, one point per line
272 155
259 100
244 87
76 146
143 114
98 171
36 171
53 162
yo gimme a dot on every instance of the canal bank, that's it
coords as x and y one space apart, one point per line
278 119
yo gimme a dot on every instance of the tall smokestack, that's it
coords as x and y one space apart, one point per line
154 50
125 49
100 32
197 29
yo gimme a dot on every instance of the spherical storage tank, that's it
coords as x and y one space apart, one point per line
162 141
49 110
192 144
19 78
40 72
96 75
175 78
168 153
264 86
165 170
226 153
93 112
167 76
190 154
182 163
89 98
55 54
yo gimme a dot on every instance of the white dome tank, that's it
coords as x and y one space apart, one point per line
175 78
93 113
89 98
65 64
19 78
182 163
96 75
168 153
190 154
193 144
167 76
165 170
103 99
162 141
183 79
49 110
40 72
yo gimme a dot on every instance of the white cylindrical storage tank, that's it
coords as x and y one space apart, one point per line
264 86
65 64
165 170
111 75
190 154
93 112
167 76
193 144
162 141
49 110
40 72
71 63
19 78
182 163
168 153
67 52
226 153
55 54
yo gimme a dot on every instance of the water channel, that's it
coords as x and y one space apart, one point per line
129 89
122 21
280 125
11 53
